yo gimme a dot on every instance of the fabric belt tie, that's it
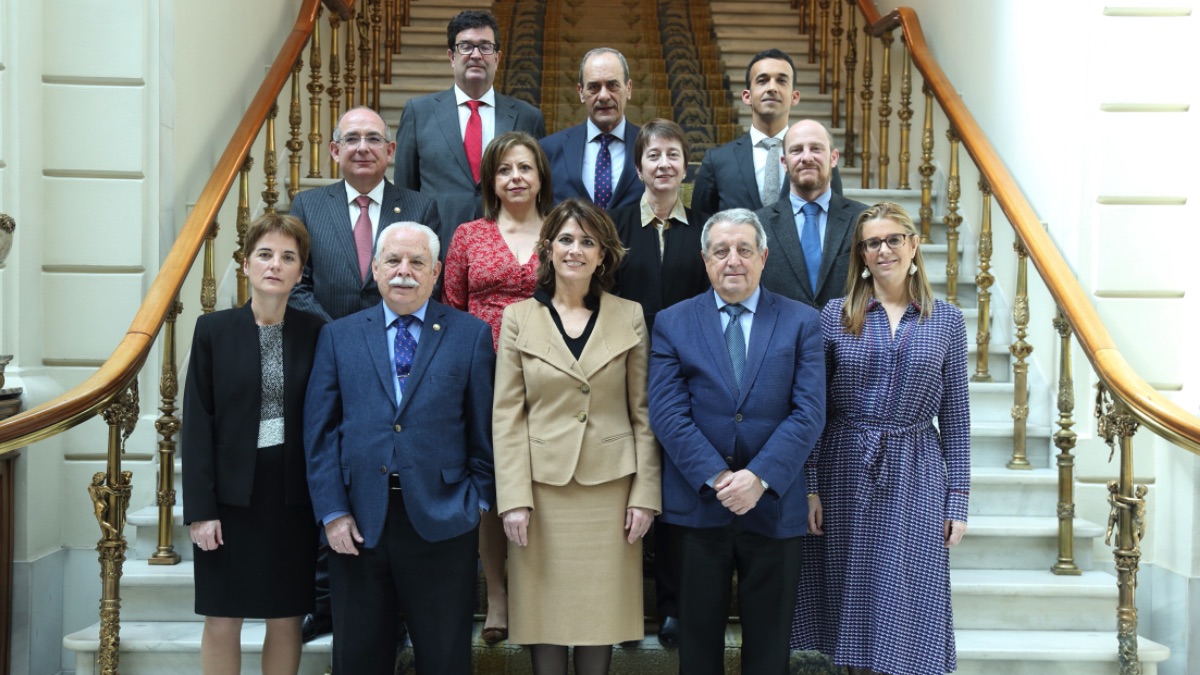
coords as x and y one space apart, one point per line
872 438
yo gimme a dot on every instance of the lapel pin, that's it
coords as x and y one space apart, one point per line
437 326
396 210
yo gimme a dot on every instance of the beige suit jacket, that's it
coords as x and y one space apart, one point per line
555 419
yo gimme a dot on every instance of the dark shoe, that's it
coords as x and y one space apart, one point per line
631 644
668 632
315 626
493 634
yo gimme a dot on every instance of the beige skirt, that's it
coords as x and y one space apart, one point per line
578 582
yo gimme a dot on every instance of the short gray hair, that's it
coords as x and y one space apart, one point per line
337 130
434 244
734 217
603 50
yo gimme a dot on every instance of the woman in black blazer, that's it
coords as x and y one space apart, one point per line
245 493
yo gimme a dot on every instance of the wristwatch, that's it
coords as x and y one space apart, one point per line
764 484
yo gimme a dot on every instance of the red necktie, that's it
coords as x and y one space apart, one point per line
362 235
473 140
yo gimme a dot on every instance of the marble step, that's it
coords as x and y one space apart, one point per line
145 520
992 438
1037 652
151 593
1033 600
997 491
1019 543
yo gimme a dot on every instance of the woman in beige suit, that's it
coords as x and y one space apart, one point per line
578 472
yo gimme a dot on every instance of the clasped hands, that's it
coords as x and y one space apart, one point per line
516 524
738 491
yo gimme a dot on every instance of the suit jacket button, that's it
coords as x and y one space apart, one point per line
736 418
396 428
585 389
729 460
582 417
383 469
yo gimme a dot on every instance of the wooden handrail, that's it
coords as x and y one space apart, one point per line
83 401
1152 409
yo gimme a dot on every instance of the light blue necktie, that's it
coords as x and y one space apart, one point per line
810 242
735 341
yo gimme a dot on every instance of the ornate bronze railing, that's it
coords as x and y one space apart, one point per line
112 390
1126 401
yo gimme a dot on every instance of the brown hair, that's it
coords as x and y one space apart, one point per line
860 290
659 128
490 163
595 222
288 226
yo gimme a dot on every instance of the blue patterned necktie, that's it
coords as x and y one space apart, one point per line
404 349
735 341
810 243
603 188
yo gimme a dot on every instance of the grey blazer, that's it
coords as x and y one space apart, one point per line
430 157
331 287
785 271
725 179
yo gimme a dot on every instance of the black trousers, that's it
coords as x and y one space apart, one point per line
666 568
767 572
433 582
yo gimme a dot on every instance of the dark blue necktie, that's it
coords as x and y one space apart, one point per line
603 188
405 348
735 340
810 242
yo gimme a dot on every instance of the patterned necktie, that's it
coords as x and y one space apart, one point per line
473 139
404 349
810 243
362 235
771 179
603 188
735 340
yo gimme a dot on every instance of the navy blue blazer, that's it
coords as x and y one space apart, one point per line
439 440
705 426
564 150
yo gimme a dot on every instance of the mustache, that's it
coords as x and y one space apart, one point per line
404 282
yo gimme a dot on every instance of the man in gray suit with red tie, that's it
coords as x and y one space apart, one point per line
442 136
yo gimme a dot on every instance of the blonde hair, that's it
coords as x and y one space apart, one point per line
860 290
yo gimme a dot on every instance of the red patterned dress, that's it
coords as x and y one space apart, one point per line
482 275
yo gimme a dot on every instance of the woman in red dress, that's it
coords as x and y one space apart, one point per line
490 264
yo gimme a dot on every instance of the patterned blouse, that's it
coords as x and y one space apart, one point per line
482 276
270 349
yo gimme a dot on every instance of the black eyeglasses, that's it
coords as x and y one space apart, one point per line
485 48
893 241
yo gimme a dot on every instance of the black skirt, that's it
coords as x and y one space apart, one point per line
265 568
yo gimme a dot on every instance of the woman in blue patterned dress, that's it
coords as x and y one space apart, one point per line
888 488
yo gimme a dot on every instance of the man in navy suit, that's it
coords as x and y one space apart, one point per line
398 437
737 400
441 137
594 160
745 172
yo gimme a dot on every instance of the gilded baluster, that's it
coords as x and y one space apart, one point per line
109 492
351 80
885 110
208 278
984 281
270 165
241 226
952 220
1127 515
364 57
400 21
295 144
824 30
334 91
167 426
848 153
905 115
1064 440
811 23
927 169
376 50
866 95
1020 351
802 5
389 39
837 31
314 100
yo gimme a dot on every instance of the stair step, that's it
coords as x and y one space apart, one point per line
145 542
1019 543
992 441
1037 652
1032 599
157 592
997 491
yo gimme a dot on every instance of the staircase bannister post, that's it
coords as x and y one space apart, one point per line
240 226
836 35
811 27
399 21
315 87
1064 440
952 219
364 57
1127 515
295 144
801 5
109 492
167 426
208 277
351 80
848 153
885 110
1020 351
376 50
927 169
389 40
866 96
905 115
984 281
824 30
334 90
270 168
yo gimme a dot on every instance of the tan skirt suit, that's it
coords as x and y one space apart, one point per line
573 443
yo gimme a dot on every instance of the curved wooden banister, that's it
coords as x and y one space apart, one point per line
83 401
1152 409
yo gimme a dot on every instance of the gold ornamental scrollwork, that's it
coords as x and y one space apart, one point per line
123 413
